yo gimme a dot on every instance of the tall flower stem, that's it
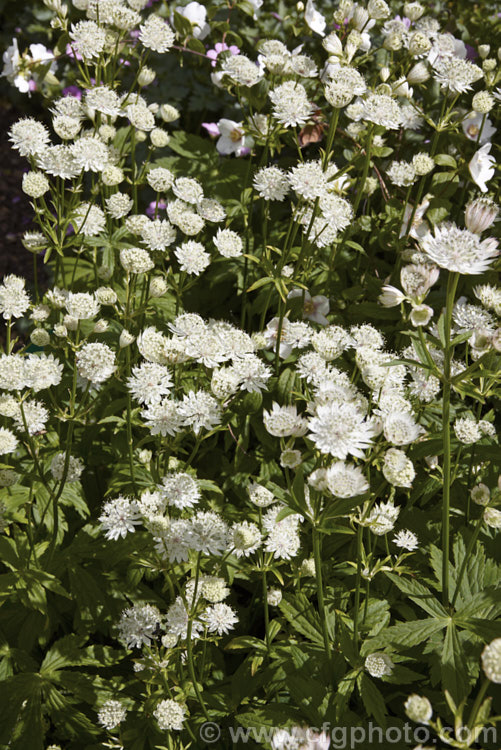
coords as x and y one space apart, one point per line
191 667
320 590
358 584
452 283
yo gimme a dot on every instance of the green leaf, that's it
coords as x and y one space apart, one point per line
304 620
445 160
419 594
454 673
405 634
372 699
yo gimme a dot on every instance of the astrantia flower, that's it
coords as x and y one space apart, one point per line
220 618
163 418
418 709
245 538
88 219
407 540
158 234
88 38
283 421
467 430
138 625
456 75
346 83
90 154
136 260
104 100
382 518
58 161
381 109
241 70
398 470
119 517
95 362
401 173
271 183
149 382
160 179
42 371
228 243
75 467
111 714
170 715
118 205
400 428
492 517
199 410
291 105
180 490
192 257
491 661
82 305
209 533
341 430
8 441
28 136
232 139
32 418
211 210
378 665
283 542
14 300
308 180
344 480
156 34
459 249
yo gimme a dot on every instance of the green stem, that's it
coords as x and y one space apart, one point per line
320 590
452 283
360 531
191 667
478 702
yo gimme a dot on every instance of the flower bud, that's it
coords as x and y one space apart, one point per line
332 44
168 113
145 456
413 11
419 44
480 214
480 494
101 326
60 331
384 74
105 272
418 73
125 339
146 76
393 41
418 709
40 337
159 138
378 9
421 315
489 65
35 184
482 102
422 163
274 597
307 567
158 286
360 17
483 50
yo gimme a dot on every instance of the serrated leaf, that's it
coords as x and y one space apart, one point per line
372 699
454 672
304 620
419 594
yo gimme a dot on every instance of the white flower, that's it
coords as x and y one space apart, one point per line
192 257
378 665
459 249
341 430
220 618
471 128
95 362
8 441
283 421
344 480
111 714
180 490
482 166
314 19
156 34
138 625
232 139
196 14
149 382
407 540
199 410
169 714
418 709
491 661
14 300
119 517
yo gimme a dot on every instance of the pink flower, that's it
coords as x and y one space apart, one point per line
218 48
